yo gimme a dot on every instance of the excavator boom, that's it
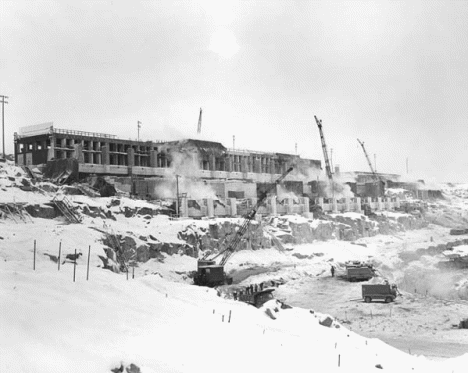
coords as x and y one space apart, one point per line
211 274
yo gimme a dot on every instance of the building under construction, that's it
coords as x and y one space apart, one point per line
141 165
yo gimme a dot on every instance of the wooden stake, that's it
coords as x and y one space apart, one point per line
127 271
133 272
230 319
339 360
87 270
74 268
223 318
60 254
34 264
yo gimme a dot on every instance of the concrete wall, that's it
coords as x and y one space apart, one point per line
354 204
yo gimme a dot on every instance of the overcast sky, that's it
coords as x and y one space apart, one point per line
393 74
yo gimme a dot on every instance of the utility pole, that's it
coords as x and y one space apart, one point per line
177 191
139 126
3 97
234 142
296 148
407 166
375 162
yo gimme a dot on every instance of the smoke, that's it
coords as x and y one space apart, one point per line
305 174
422 277
283 193
337 190
183 175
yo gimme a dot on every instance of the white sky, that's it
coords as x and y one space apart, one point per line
393 74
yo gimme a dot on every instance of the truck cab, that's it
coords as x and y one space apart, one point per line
211 274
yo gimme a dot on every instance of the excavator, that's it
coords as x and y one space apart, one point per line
210 269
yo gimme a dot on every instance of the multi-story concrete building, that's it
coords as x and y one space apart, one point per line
104 154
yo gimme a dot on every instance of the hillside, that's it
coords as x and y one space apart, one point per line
160 322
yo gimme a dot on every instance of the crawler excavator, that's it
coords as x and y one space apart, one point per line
210 271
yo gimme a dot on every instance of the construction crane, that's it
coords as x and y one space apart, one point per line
324 148
374 174
209 272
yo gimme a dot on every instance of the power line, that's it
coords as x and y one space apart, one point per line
3 98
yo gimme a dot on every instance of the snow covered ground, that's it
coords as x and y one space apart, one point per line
161 323
51 324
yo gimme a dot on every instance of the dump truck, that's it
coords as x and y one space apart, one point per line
385 292
357 271
258 298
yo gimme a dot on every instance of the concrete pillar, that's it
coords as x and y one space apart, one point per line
320 203
358 205
212 161
230 163
257 165
379 203
153 161
306 204
233 204
51 151
105 159
388 203
397 203
274 207
334 205
210 207
245 164
290 205
348 204
369 202
130 157
78 153
184 207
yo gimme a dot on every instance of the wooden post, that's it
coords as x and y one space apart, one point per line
339 360
60 254
127 271
34 264
133 272
230 319
87 270
223 318
74 268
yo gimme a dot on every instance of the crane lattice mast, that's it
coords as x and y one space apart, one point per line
374 174
324 148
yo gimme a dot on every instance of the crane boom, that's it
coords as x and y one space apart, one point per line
374 174
324 148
